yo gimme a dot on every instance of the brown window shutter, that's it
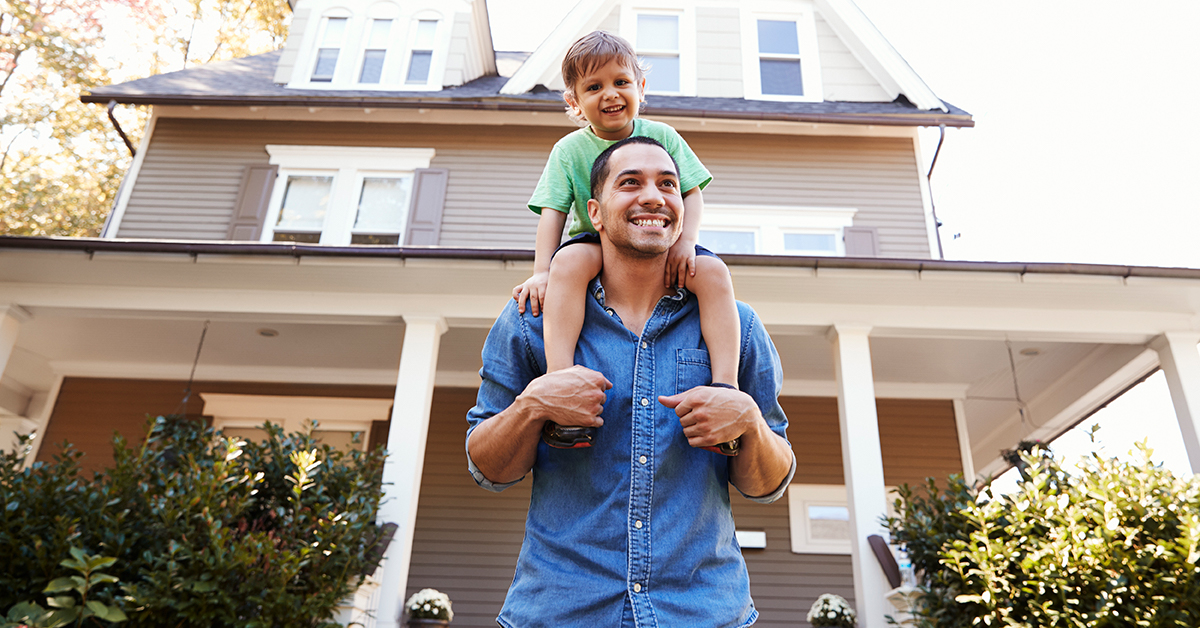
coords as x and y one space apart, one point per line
861 241
429 197
251 209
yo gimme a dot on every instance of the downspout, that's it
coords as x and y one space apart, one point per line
937 224
112 104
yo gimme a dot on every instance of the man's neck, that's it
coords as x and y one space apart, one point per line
632 287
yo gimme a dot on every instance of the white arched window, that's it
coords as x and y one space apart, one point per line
425 61
331 37
379 34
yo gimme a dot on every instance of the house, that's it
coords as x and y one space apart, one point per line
328 231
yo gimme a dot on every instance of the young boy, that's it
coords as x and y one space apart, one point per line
605 86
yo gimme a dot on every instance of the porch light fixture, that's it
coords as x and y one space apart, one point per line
267 332
1030 351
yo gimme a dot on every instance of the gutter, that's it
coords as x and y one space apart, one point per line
915 119
287 249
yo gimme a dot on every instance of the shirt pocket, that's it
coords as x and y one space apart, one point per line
692 369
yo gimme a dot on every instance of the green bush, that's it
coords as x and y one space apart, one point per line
206 531
1116 544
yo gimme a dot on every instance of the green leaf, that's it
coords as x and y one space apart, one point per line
62 584
102 578
61 601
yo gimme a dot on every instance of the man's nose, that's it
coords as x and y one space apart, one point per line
651 197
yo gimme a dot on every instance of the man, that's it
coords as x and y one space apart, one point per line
635 530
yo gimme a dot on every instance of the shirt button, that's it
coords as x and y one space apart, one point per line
642 460
645 401
637 588
644 345
638 524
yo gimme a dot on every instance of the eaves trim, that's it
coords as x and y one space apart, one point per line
286 249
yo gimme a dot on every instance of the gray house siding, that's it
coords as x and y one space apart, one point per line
189 182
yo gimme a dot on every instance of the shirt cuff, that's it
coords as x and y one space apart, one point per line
485 483
773 495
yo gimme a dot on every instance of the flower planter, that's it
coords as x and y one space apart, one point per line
427 623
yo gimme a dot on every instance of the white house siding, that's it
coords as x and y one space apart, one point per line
189 182
843 77
291 48
611 24
718 53
458 64
877 176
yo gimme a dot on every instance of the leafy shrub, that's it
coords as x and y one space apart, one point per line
206 531
1117 544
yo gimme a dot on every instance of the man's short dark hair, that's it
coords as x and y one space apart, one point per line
600 166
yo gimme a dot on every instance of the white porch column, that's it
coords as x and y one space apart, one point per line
862 464
1180 362
406 456
11 317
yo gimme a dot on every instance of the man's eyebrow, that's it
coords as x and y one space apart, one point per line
638 172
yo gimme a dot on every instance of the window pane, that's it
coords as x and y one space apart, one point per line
829 523
382 204
370 238
372 66
418 69
658 32
662 73
824 242
728 241
302 238
326 62
776 37
426 30
380 30
304 203
781 77
335 27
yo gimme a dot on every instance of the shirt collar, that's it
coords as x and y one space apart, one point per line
597 292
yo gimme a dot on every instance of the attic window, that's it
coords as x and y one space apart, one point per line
422 52
780 59
375 52
658 49
332 32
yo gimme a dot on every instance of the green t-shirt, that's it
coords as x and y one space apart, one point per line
566 181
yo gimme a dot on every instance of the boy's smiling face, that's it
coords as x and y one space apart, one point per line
608 97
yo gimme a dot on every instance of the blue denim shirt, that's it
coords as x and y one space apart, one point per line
640 520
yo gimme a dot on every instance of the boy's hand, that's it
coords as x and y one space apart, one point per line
533 289
681 263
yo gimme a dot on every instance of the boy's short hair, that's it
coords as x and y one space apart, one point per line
600 166
594 50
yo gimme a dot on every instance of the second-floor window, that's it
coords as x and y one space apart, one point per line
775 230
333 31
779 68
342 195
780 59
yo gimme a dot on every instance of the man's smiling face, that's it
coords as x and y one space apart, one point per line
640 208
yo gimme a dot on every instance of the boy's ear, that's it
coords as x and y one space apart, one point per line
642 89
593 210
569 98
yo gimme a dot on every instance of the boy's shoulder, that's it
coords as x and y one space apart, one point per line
655 129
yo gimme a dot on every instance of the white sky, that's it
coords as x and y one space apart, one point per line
1084 150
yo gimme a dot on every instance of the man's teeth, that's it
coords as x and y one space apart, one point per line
650 223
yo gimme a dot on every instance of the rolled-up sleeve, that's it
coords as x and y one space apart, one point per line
509 364
761 376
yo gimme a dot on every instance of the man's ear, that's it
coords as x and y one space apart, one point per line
593 209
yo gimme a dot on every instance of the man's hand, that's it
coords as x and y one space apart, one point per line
711 416
533 289
573 396
681 263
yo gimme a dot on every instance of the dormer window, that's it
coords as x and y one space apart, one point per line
421 59
378 35
780 56
333 31
665 42
658 49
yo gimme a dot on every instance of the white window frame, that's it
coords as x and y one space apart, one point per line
437 62
810 67
800 497
339 68
687 41
348 165
380 11
770 223
296 414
